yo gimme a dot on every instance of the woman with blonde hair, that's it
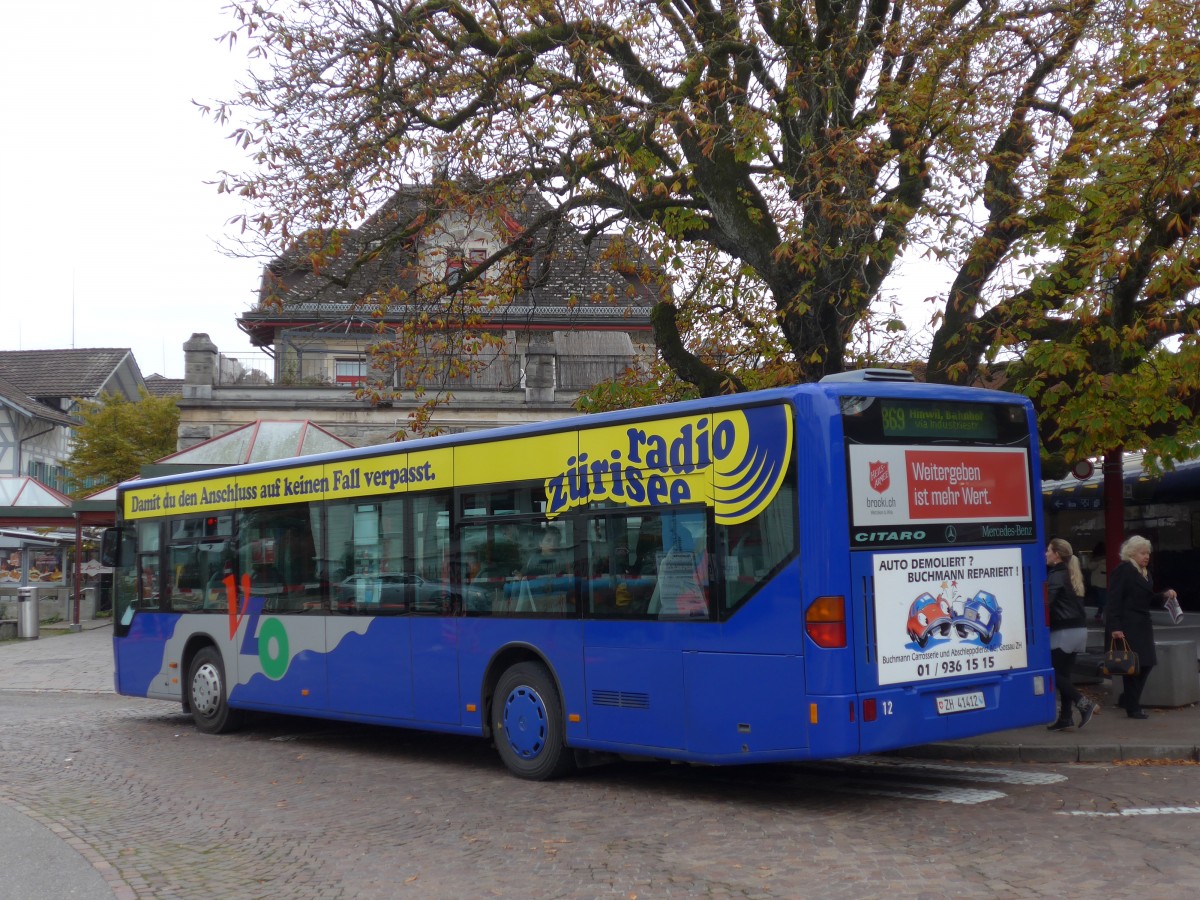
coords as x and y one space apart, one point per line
1130 596
1068 630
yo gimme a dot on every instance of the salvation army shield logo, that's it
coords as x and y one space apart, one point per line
879 477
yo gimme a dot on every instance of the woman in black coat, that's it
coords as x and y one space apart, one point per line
1068 630
1130 596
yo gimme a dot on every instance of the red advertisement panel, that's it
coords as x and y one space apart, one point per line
965 485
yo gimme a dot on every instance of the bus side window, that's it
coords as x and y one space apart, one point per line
682 589
276 549
548 585
752 550
148 581
622 554
491 558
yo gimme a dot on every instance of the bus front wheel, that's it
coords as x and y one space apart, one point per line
208 693
529 731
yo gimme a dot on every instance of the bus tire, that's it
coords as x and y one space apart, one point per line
529 731
208 693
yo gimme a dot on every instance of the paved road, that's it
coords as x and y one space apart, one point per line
305 809
79 662
42 858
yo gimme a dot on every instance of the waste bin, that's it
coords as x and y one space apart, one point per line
28 621
1173 680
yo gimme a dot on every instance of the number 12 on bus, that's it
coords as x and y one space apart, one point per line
816 571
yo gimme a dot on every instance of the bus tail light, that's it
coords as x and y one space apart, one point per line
870 710
825 622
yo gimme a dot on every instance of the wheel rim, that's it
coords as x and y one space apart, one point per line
206 690
525 722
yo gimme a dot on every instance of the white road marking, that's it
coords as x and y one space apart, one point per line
967 773
1144 811
965 796
905 779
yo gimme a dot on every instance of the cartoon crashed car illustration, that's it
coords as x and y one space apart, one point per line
928 616
980 617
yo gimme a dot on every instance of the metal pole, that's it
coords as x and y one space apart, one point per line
77 573
1114 507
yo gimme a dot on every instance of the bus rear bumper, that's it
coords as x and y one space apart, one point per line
915 714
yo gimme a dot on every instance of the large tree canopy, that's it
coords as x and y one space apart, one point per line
778 159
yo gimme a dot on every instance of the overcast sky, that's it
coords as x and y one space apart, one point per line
108 234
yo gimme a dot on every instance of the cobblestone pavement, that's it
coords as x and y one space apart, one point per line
306 809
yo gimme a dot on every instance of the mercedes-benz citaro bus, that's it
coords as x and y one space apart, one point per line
807 572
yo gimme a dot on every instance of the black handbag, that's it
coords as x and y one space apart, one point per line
1120 658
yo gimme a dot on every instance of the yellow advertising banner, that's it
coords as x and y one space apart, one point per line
733 461
390 474
517 459
394 473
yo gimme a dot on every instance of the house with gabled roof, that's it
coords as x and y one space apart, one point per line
40 392
579 314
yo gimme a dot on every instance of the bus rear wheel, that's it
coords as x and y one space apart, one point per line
208 693
529 731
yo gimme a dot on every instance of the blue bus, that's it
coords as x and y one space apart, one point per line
808 572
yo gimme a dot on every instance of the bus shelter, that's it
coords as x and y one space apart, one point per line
44 538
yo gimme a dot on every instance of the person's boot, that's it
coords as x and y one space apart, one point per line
1086 710
1065 718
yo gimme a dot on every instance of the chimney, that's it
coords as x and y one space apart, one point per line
199 367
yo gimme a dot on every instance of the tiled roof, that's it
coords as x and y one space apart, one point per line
12 395
61 373
575 277
158 386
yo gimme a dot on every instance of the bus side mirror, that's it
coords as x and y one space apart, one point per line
116 547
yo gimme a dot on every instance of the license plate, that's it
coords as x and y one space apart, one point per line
960 703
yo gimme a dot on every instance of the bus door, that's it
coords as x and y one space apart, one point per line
437 604
647 591
139 658
392 648
280 649
373 591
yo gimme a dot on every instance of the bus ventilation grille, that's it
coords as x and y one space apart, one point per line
622 699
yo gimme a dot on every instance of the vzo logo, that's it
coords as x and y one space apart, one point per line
270 643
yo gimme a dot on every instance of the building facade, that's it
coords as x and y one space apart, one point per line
40 391
572 314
